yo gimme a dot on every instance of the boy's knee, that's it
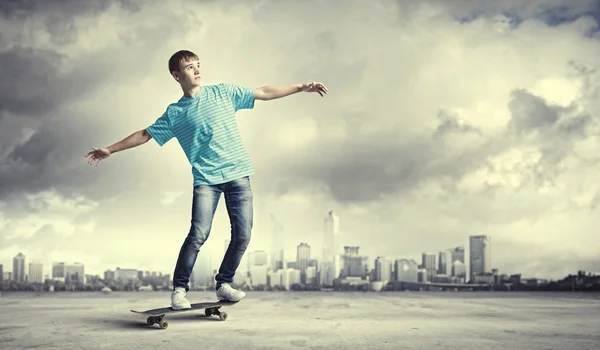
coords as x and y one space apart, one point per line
198 235
242 241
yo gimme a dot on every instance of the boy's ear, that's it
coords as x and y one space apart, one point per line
175 76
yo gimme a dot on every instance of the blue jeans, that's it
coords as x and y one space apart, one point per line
238 199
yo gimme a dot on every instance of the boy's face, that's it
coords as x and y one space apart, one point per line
189 73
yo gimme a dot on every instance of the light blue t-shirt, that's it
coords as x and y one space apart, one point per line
206 128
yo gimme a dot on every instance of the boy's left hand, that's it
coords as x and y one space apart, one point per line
315 87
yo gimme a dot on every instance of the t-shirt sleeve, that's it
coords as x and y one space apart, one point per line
161 130
242 96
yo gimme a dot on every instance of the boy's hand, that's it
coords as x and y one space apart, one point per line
315 87
98 154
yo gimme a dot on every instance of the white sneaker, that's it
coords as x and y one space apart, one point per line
228 293
178 300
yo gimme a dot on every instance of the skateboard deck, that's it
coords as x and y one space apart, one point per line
210 308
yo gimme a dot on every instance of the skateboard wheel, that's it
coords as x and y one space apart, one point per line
208 312
163 324
150 320
223 316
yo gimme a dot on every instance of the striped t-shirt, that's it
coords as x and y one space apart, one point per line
206 128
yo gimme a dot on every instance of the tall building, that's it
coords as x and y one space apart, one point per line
258 267
326 274
429 264
331 242
36 273
124 274
58 271
458 254
19 268
109 276
480 254
75 273
202 273
406 270
383 269
302 259
458 269
277 251
445 263
354 265
257 258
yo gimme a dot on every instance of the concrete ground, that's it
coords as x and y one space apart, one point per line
309 320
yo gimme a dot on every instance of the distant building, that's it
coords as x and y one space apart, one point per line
109 276
275 278
406 270
445 263
331 249
480 255
19 268
429 263
354 265
302 259
277 249
487 277
58 271
126 274
36 273
326 274
258 267
383 269
459 269
458 254
422 276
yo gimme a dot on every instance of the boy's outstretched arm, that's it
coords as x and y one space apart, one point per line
136 139
272 92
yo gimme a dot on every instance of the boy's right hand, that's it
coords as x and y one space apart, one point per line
98 154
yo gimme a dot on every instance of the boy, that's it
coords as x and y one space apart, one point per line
203 121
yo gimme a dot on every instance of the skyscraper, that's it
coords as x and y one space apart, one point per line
458 254
445 263
202 272
277 251
36 273
429 263
406 270
331 241
19 268
258 267
302 259
75 274
383 269
355 265
58 271
480 255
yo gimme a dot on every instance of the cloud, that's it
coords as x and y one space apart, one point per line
444 119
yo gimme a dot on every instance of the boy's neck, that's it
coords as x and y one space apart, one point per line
192 92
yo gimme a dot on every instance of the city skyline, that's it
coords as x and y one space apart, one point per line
444 119
431 264
475 258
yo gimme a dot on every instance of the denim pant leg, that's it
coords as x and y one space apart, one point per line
238 198
204 205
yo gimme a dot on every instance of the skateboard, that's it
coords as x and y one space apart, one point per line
210 308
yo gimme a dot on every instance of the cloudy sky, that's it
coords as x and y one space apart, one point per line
444 119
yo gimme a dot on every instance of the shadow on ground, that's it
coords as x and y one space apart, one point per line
134 322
